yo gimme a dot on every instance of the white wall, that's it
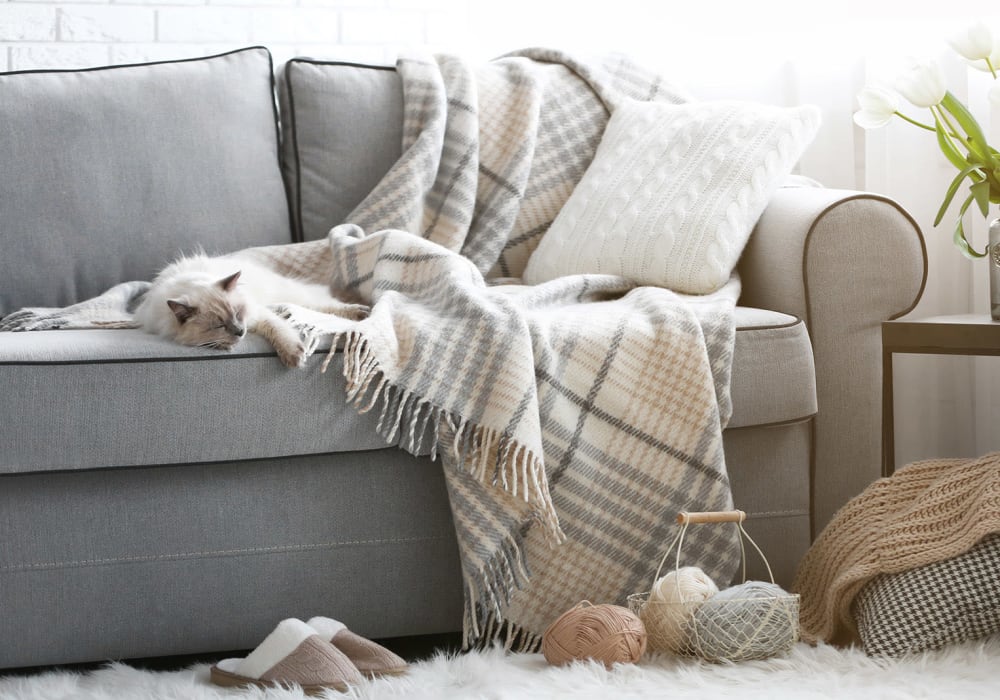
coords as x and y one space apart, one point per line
80 33
778 51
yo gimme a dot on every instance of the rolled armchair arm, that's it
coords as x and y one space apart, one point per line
842 261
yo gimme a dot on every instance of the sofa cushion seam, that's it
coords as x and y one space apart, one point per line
232 552
778 514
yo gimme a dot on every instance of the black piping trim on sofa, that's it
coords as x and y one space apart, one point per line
114 66
823 214
773 327
298 230
133 360
389 447
193 59
346 64
141 360
292 128
775 424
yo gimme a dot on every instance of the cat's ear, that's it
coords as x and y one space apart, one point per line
229 284
181 310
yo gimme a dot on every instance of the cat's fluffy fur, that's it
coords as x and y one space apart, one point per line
214 301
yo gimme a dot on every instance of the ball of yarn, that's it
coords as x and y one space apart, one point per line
672 602
754 620
686 584
606 633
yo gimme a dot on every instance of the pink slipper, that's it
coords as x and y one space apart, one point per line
370 658
293 654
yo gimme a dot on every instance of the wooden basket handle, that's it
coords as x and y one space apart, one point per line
712 516
685 518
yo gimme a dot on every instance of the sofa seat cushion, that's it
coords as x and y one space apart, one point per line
145 161
774 379
100 398
113 398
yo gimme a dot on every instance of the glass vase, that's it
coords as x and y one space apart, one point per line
993 256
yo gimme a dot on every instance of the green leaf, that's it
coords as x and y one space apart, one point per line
959 238
948 148
952 189
981 192
991 177
977 140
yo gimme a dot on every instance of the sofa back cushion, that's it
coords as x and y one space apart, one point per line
110 173
343 129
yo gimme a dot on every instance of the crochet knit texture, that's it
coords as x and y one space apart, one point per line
926 512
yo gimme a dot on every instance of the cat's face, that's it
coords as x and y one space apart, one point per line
211 316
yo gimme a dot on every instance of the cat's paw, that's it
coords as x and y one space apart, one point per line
292 355
353 312
283 311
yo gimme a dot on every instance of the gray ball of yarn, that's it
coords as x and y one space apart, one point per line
754 620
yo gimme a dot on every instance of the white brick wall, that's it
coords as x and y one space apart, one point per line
82 33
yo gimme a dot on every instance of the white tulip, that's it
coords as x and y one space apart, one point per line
994 59
973 43
878 106
922 83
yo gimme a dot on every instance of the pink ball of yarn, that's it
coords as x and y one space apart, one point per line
607 633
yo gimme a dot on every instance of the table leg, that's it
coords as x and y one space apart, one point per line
888 420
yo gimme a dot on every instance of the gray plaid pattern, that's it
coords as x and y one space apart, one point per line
582 412
558 418
112 309
571 122
954 600
575 418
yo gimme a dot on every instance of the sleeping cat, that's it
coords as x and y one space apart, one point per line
214 301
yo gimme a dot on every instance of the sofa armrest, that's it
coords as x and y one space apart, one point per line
842 261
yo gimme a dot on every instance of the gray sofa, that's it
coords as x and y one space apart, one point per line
158 500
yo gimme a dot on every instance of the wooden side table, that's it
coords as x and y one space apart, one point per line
966 334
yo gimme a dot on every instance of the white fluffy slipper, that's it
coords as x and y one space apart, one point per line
292 655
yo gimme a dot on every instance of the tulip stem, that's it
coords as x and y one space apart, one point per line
915 122
952 132
989 64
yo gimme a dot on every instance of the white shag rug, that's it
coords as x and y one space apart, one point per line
970 670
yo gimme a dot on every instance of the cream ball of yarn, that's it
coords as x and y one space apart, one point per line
753 620
672 602
685 585
607 633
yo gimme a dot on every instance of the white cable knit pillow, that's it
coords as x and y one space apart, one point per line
673 193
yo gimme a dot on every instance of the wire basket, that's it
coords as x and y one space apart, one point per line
723 627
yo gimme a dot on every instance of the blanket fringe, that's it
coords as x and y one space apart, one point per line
489 455
488 591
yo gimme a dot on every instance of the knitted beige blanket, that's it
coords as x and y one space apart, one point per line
926 512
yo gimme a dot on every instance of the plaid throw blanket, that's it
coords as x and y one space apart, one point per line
574 418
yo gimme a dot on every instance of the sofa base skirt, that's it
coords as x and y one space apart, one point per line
186 559
190 559
770 470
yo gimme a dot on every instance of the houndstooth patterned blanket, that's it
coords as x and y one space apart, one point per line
574 418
